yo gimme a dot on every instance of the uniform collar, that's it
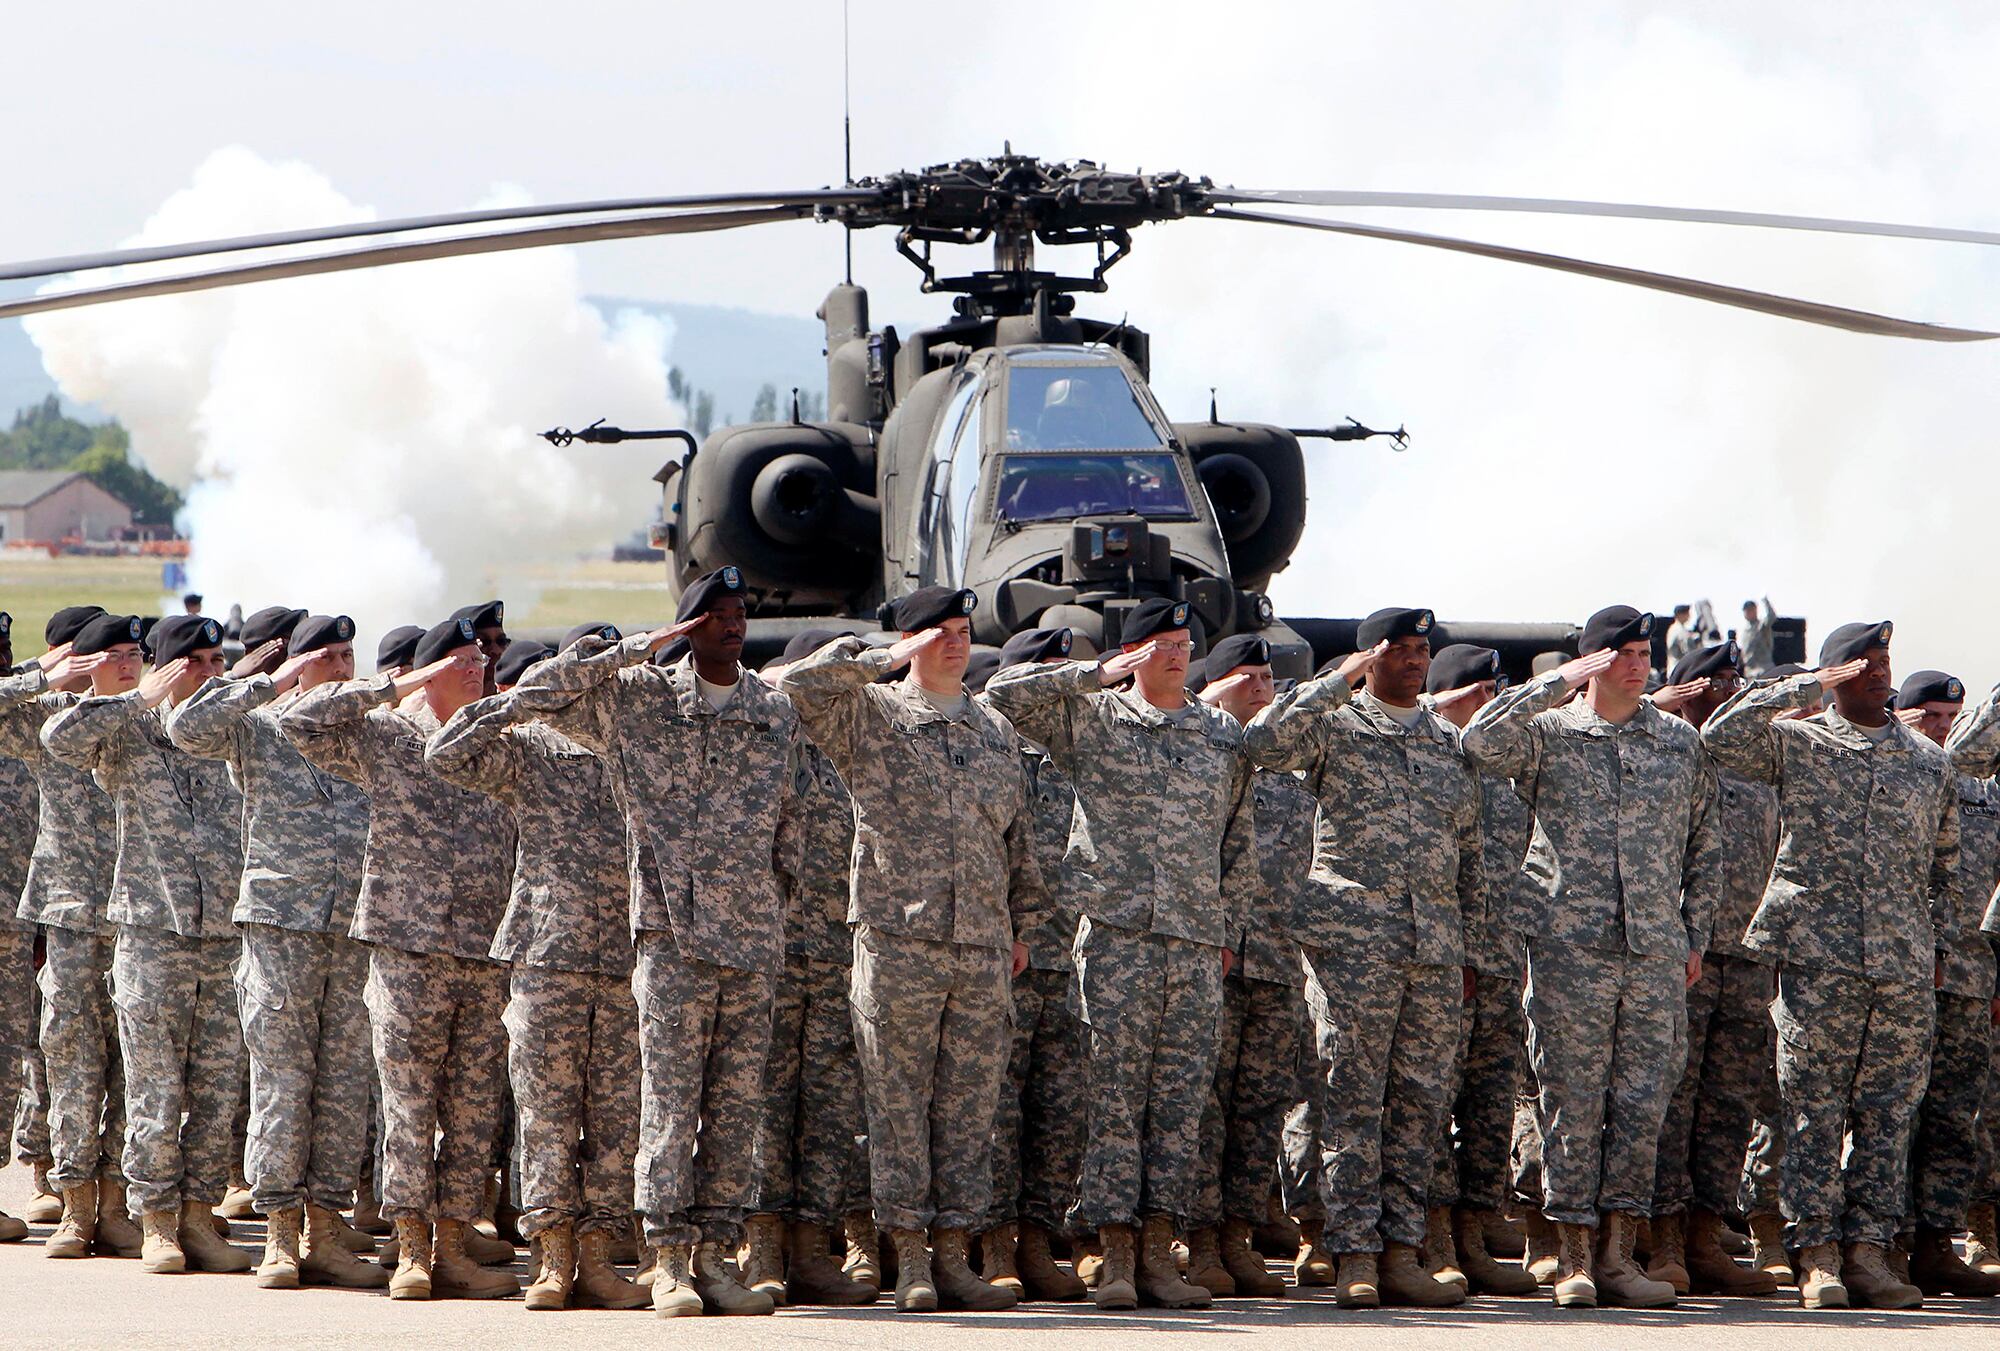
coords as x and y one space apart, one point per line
690 700
916 710
1156 717
1852 737
1580 715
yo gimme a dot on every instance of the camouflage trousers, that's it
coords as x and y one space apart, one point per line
1150 1007
1524 1154
440 1050
1385 1033
183 1047
1944 1155
807 1163
1298 1138
1709 1117
704 1034
1256 1074
1607 1037
18 1041
1765 1156
306 1029
86 1070
1853 1057
1986 1183
1038 1126
1471 1168
931 1025
573 1059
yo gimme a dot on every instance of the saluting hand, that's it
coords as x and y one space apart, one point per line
1119 665
1579 672
157 683
1212 695
287 675
409 683
1457 696
659 638
53 658
1909 717
1359 664
903 649
1669 698
1830 676
258 659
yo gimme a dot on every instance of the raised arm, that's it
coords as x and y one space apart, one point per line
330 727
576 690
826 688
1743 735
1290 733
1045 701
21 715
473 749
1502 741
211 723
93 734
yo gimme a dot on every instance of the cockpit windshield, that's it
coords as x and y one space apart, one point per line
1057 487
1075 407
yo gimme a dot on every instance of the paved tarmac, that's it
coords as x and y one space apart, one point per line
105 1302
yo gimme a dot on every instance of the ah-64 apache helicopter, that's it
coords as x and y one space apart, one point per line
1015 449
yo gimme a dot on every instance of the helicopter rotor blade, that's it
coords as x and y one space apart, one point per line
84 262
1763 302
382 255
1446 201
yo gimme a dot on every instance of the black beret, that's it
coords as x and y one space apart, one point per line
397 647
1154 615
1784 672
441 640
980 668
1849 641
105 631
1035 645
1925 687
179 635
1239 649
489 614
277 621
147 623
929 606
1462 664
808 641
519 656
671 653
1707 661
191 598
1394 623
6 625
318 631
64 625
608 632
1613 627
704 591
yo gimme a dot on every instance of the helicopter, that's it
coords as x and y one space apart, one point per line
1017 448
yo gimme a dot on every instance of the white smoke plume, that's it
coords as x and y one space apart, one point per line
365 443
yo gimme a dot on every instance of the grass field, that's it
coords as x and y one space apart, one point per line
33 586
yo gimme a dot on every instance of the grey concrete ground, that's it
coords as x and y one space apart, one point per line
105 1302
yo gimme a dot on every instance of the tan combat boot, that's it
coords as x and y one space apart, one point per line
1822 1283
1982 1246
1484 1273
1204 1264
958 1285
1159 1275
1667 1262
1542 1249
915 1291
1245 1265
553 1267
1620 1282
412 1279
812 1278
44 1205
160 1248
1406 1280
863 1262
485 1250
1357 1281
999 1263
204 1250
327 1260
1767 1248
1871 1284
1118 1274
117 1235
598 1284
1935 1268
12 1228
1440 1252
347 1236
674 1295
1314 1264
280 1268
1505 1239
1573 1285
762 1258
237 1203
78 1227
454 1273
717 1284
368 1215
1041 1277
1711 1270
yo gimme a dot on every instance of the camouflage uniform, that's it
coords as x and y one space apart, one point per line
1038 1128
944 881
1396 882
300 982
68 880
712 793
572 1024
17 950
1299 1147
808 1164
1860 901
1621 879
1472 1161
1162 867
1731 1070
433 884
180 862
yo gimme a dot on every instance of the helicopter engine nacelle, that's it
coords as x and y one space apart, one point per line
792 504
1256 480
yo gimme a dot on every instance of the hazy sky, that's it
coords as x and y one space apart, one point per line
1574 444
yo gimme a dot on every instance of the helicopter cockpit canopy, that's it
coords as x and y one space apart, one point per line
1081 401
1075 400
